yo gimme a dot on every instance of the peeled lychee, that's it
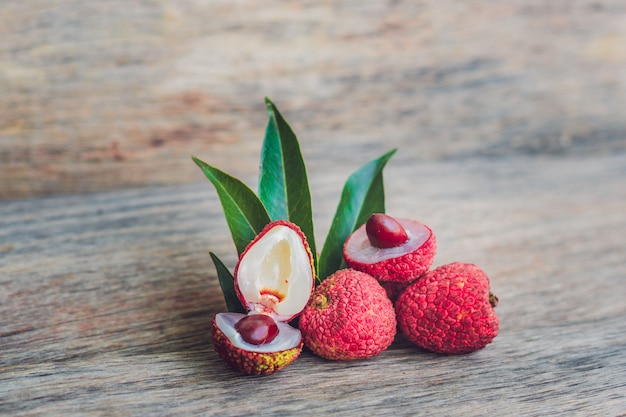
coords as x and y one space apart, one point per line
349 317
450 310
379 248
274 279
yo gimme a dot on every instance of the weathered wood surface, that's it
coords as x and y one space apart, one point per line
106 299
96 96
509 118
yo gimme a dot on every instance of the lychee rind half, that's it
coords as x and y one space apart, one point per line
250 362
349 317
275 273
448 310
404 263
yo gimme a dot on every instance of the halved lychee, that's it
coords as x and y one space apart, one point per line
254 359
399 250
274 279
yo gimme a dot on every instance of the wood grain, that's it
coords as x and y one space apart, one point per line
109 95
106 299
509 120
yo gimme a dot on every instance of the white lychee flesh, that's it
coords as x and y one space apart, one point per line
288 337
275 275
360 249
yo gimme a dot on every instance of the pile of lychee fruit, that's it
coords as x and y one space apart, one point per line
388 286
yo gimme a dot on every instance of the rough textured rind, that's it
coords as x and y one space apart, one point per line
349 317
448 310
404 268
394 288
251 363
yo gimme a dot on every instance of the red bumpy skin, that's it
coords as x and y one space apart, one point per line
449 310
349 317
404 263
394 289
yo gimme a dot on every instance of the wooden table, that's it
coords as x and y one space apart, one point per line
509 120
106 300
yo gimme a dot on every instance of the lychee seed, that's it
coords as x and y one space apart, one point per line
383 231
257 329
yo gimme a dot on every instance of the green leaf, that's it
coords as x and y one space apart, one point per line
245 214
227 282
283 183
363 194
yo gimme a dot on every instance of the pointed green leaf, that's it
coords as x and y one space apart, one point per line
245 214
362 195
283 183
227 282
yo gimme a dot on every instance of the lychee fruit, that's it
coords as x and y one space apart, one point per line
274 279
394 288
250 358
389 249
449 310
349 317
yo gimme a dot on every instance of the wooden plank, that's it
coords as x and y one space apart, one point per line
98 96
106 298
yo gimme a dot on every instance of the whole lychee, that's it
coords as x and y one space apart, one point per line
390 249
349 317
450 310
274 279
